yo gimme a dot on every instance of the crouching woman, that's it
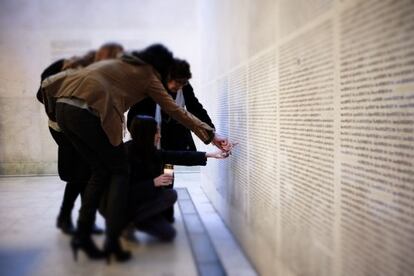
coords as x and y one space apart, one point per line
148 197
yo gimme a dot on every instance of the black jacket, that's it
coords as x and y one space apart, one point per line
141 186
52 69
143 172
174 136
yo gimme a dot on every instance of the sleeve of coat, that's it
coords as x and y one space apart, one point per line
184 158
194 106
157 92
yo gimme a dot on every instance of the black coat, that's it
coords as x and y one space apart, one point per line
141 188
143 171
71 166
52 69
174 136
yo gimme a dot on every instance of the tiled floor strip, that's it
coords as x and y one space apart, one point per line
205 255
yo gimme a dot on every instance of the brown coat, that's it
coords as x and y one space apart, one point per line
111 87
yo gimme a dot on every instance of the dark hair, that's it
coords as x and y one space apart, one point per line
143 129
159 57
108 51
180 70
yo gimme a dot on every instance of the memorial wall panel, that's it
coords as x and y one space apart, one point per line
238 114
294 14
222 127
306 137
377 138
261 139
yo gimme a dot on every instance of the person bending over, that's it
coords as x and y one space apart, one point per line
72 167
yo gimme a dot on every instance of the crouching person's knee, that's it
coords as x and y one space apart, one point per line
169 235
170 196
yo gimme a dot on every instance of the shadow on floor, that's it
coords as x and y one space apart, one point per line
19 262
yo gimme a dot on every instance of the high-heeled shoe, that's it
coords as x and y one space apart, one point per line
65 225
112 247
88 246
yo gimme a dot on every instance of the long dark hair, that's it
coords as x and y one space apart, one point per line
159 57
143 129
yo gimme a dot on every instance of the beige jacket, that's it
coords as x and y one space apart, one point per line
111 87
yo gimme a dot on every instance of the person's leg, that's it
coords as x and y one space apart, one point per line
169 212
95 228
73 169
109 168
157 226
64 219
72 188
164 200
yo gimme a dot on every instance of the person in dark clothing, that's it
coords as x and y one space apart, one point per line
174 135
148 196
72 167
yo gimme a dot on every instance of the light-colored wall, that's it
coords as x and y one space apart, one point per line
319 94
320 97
34 33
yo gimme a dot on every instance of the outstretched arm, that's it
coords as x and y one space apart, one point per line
191 158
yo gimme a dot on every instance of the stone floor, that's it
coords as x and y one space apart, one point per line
31 245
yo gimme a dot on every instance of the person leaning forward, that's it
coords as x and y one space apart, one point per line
121 83
88 105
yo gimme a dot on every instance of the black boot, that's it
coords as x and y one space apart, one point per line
112 246
86 244
65 224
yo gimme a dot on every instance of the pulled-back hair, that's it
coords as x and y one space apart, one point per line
143 129
82 61
108 51
180 70
159 57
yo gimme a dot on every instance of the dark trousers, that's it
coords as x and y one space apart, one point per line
73 169
108 165
71 193
158 226
147 216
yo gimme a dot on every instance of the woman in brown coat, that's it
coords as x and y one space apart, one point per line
89 106
72 168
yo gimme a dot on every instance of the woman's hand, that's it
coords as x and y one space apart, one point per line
223 143
163 180
218 154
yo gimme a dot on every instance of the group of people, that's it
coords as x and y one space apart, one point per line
85 99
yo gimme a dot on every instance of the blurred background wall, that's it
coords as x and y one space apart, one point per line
34 33
318 93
